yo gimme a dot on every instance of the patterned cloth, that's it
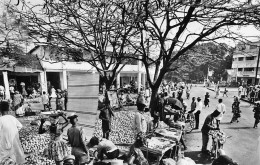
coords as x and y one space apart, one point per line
57 150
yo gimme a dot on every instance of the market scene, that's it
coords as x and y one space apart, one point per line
137 82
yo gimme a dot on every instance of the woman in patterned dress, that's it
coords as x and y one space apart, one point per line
235 110
57 148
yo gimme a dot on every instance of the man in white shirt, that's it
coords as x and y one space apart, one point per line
222 109
240 90
197 111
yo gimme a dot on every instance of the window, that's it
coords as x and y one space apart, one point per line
252 47
240 58
240 69
250 58
248 69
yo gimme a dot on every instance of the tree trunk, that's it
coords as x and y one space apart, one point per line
154 100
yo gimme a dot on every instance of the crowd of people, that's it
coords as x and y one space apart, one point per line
58 151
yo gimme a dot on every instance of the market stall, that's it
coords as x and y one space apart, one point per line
164 140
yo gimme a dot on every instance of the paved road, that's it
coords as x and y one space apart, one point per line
241 145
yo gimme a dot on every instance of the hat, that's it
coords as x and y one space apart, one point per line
69 157
72 116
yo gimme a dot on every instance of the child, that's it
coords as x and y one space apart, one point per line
257 114
225 92
45 100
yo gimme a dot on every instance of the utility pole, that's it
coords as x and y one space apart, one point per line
257 66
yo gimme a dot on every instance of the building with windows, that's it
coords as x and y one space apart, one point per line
245 63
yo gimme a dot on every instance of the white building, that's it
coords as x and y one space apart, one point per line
245 62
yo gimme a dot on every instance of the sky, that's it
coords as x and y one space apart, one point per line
248 31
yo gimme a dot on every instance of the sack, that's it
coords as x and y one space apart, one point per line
20 111
185 161
169 161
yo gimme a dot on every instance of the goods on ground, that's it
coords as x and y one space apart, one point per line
122 127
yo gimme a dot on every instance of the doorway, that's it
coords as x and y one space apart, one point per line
54 79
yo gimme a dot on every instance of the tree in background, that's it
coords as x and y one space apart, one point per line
176 26
95 31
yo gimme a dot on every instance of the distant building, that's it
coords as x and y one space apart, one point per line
244 63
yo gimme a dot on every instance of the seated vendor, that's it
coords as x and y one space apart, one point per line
136 156
104 147
176 124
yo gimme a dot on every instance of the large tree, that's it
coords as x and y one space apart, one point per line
95 31
129 27
176 26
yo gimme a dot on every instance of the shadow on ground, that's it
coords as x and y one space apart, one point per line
198 157
238 127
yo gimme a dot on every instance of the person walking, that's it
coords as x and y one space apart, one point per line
18 99
59 100
235 110
52 95
65 93
206 100
139 119
197 112
225 92
10 145
45 100
252 96
105 115
222 109
217 92
207 126
77 141
240 90
256 111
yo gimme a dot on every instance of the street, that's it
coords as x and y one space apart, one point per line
242 142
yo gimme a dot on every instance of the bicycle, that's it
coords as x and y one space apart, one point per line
218 140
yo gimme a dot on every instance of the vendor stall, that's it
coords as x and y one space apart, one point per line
165 139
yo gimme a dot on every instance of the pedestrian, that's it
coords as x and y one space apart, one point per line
207 126
225 92
11 88
217 92
105 115
235 110
222 109
197 112
57 148
240 90
139 119
192 107
188 92
76 138
147 94
136 155
52 95
45 100
252 96
206 100
104 147
179 94
256 111
59 100
9 136
24 92
18 99
65 93
2 92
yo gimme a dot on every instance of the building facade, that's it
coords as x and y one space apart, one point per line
244 65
